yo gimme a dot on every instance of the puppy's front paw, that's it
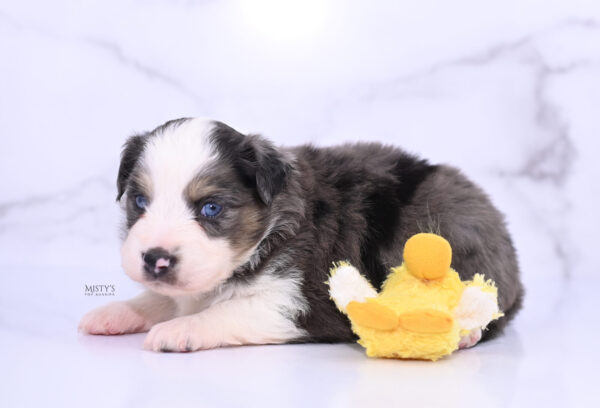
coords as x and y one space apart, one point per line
181 334
114 318
470 339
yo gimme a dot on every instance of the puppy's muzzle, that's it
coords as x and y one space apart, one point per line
158 262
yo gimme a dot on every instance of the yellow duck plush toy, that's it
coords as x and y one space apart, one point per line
423 308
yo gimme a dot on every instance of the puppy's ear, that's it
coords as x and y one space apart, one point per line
132 149
257 161
272 169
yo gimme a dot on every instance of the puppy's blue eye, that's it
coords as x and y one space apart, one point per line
141 201
211 210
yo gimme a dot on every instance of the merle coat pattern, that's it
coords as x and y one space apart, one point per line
289 213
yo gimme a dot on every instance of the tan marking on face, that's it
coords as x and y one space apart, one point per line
199 188
251 227
143 180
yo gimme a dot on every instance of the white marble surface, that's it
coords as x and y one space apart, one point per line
507 91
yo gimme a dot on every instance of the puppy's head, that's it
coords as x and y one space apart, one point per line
197 196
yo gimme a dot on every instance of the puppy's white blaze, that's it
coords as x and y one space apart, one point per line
175 157
347 284
172 159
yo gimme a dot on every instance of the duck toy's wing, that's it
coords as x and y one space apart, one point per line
478 304
354 295
347 285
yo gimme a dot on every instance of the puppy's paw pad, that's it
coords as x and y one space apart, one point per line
114 318
470 339
177 335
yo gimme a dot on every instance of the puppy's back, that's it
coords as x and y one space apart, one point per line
367 199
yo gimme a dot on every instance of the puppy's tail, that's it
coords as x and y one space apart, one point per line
347 284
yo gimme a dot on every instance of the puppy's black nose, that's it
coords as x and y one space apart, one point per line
158 261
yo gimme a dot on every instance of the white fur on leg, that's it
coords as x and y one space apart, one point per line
114 318
260 314
133 316
234 322
347 284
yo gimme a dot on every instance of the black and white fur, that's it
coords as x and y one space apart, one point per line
256 273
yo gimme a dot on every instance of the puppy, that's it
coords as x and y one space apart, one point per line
233 238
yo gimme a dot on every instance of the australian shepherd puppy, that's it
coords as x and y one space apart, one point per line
233 237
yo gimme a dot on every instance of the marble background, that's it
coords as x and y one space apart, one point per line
508 91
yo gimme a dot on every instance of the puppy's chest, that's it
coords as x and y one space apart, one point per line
187 305
191 304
